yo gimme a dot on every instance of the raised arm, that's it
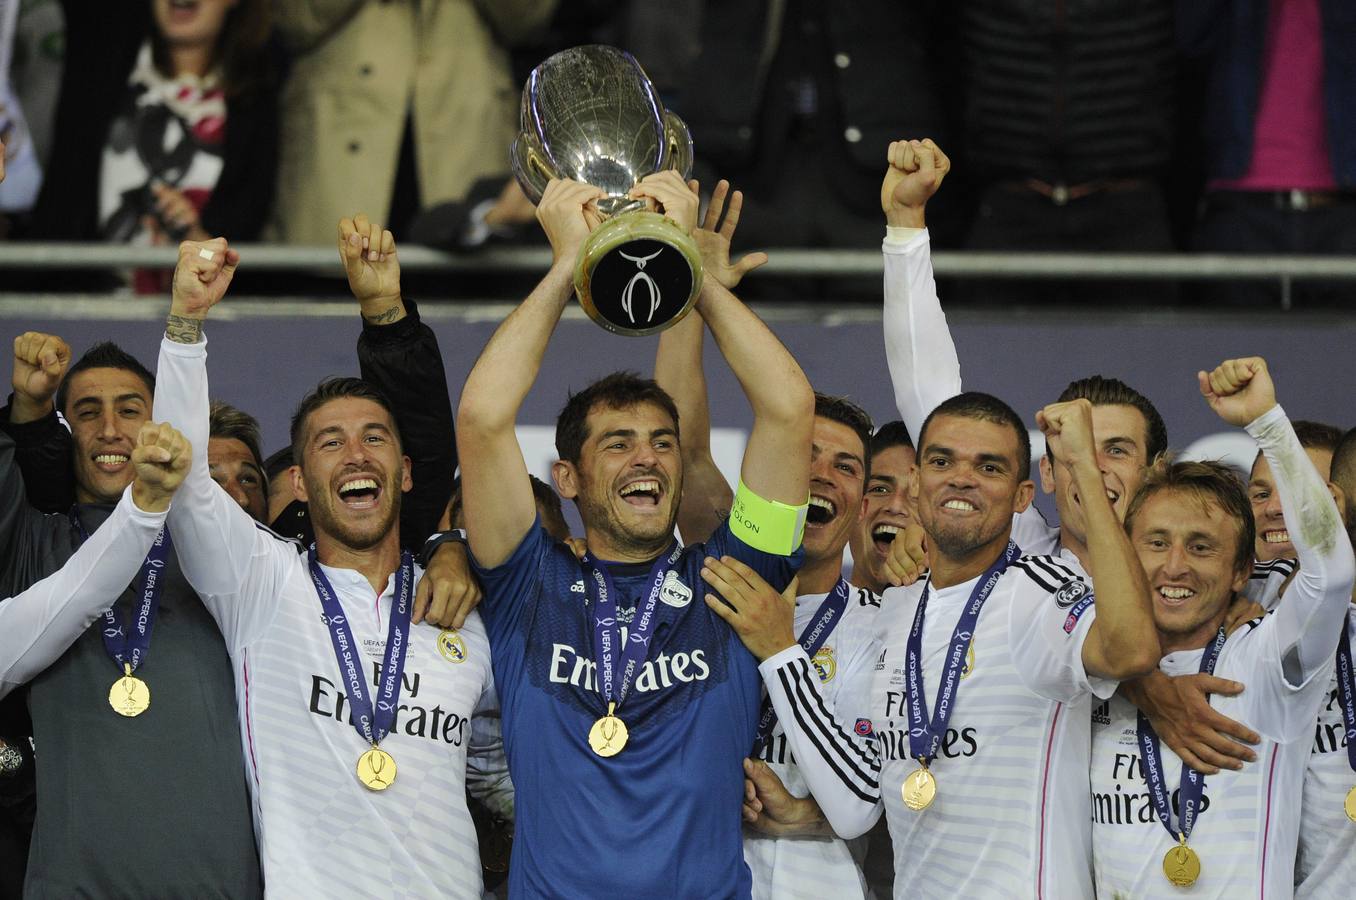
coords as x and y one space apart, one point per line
42 444
919 351
1122 641
400 355
41 623
679 370
217 544
777 459
496 491
1308 622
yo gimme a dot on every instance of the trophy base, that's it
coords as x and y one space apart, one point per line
638 273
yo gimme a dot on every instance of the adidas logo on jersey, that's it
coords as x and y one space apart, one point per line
577 588
1101 713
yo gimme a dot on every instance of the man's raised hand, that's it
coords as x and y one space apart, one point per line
1068 431
40 362
715 234
915 171
160 460
672 195
566 217
1239 390
203 274
368 253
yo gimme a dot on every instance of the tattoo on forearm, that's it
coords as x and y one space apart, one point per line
384 317
183 330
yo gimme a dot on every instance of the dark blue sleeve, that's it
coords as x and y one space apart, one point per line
776 570
512 587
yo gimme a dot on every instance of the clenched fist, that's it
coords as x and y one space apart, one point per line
40 362
203 273
1239 390
1068 431
915 173
160 459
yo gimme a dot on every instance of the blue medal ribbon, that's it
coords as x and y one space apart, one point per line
373 723
927 732
1192 785
1346 689
615 676
816 633
129 646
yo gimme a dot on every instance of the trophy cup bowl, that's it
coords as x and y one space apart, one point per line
591 114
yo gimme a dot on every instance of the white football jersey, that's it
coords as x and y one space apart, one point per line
1011 817
320 831
817 867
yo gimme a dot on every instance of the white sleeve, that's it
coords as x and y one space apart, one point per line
1304 630
1050 612
38 625
918 347
236 565
841 767
487 772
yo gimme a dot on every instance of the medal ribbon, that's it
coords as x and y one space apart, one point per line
130 646
372 723
926 732
1192 784
1346 689
816 632
614 680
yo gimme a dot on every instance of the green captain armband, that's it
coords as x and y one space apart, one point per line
767 525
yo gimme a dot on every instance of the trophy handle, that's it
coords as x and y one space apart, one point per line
530 165
678 145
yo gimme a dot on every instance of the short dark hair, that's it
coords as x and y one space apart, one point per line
553 519
891 434
334 389
279 462
985 408
845 412
1205 481
620 390
105 355
1317 435
1344 476
226 421
1101 391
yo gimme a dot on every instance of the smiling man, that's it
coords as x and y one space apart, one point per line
1235 833
886 511
356 723
1273 538
628 705
168 764
976 741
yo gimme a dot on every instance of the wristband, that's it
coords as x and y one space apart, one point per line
767 525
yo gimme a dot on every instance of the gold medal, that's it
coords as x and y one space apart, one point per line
608 735
1182 865
376 769
920 789
129 695
1351 804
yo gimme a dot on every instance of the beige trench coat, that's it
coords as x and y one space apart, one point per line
358 67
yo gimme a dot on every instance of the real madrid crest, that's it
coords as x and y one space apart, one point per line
452 646
824 664
969 661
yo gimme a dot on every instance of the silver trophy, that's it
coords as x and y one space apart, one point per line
591 114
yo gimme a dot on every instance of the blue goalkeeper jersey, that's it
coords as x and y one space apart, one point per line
661 818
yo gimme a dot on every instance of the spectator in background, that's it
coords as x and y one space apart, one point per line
797 115
167 124
1068 128
1280 131
394 106
21 152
